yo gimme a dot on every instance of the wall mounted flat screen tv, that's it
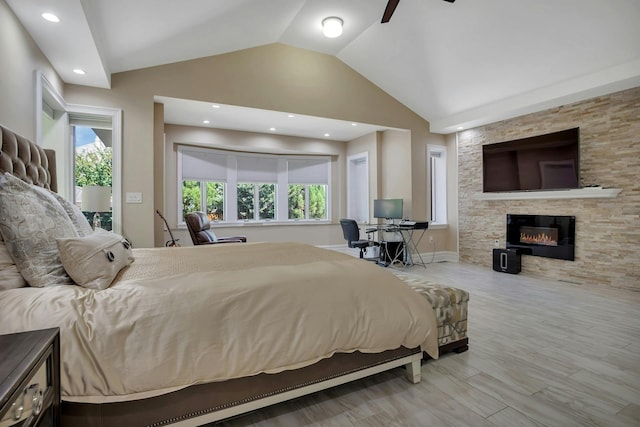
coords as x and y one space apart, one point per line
387 208
543 162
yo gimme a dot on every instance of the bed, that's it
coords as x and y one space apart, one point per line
187 336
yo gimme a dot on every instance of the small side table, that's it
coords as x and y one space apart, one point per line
30 378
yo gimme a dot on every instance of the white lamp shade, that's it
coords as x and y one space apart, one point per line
332 27
96 199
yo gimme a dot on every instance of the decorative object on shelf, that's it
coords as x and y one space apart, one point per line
96 199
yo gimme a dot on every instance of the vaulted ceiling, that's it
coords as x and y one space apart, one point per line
457 64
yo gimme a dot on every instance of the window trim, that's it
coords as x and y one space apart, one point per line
230 197
437 189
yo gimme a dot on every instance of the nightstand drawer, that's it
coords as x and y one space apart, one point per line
30 379
30 402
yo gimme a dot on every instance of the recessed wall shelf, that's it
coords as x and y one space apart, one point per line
580 193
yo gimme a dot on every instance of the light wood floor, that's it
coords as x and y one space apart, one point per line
542 353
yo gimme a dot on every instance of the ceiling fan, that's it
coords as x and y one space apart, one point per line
391 7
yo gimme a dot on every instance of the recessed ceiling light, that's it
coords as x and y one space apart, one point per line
326 134
50 17
460 127
272 129
290 115
215 106
354 124
79 71
206 122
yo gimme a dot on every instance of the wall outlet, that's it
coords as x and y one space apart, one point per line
496 243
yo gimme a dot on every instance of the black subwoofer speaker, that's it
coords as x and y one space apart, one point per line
506 261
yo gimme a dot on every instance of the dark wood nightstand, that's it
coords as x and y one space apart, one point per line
30 378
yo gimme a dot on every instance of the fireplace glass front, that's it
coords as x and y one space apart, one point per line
542 235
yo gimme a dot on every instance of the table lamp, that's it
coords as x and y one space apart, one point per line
96 199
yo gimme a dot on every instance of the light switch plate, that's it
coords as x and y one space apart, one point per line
135 197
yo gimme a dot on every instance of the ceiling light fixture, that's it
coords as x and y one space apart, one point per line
332 27
206 122
327 135
272 129
215 106
50 17
79 71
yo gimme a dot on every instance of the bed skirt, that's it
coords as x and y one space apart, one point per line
215 401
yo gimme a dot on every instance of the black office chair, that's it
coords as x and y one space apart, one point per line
351 234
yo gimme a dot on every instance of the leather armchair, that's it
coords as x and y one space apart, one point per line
201 232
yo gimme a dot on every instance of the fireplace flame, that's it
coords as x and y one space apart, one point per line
538 239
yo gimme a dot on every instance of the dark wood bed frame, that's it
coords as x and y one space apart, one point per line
206 403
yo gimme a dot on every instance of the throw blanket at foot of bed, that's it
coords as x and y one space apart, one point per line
183 316
450 308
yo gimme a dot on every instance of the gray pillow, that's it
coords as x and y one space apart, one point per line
79 221
30 223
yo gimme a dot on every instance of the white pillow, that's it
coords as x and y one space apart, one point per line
10 277
30 222
94 261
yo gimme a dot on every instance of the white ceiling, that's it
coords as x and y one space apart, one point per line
458 64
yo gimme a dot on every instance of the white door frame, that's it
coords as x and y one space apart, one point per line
351 197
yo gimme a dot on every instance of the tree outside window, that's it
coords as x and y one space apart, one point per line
215 201
191 196
260 198
307 201
93 166
192 192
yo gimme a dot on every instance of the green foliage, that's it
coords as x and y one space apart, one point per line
94 167
317 202
191 200
215 201
245 201
190 196
267 201
296 201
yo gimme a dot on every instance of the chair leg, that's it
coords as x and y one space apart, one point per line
361 252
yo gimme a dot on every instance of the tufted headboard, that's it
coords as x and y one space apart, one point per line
26 160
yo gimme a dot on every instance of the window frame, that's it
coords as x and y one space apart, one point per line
436 157
281 185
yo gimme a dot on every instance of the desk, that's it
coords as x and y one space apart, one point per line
410 237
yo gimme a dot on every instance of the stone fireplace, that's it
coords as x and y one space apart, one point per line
550 236
607 229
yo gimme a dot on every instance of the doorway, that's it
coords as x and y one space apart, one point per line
358 187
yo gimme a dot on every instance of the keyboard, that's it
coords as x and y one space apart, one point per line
418 225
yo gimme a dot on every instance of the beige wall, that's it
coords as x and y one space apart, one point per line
607 230
326 234
274 77
21 58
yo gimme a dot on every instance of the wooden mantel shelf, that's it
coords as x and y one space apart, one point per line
581 193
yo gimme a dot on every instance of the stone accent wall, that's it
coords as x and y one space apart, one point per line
607 230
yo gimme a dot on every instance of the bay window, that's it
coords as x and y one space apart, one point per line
237 186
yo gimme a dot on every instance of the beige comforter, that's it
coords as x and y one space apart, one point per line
181 316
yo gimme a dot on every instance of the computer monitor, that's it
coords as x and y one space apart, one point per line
387 208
